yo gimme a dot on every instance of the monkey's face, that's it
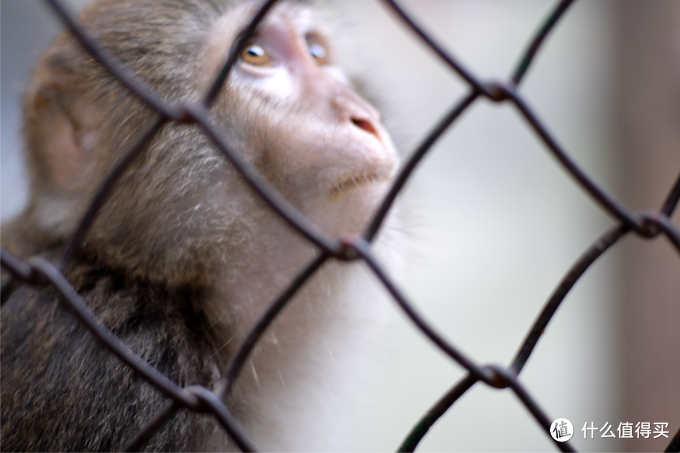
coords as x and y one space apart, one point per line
320 143
180 208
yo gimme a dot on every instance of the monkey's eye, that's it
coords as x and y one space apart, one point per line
255 55
318 52
317 48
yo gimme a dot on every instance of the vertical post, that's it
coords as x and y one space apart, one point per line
647 139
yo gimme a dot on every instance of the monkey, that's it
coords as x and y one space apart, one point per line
184 256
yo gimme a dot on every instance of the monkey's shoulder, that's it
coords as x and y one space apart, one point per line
127 306
63 390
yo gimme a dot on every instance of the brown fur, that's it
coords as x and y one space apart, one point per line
103 404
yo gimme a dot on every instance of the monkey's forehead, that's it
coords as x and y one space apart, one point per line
303 17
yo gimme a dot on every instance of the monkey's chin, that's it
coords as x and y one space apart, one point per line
346 211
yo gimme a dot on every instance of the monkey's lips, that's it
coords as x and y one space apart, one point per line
350 181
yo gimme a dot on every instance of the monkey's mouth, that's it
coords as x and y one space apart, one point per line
353 180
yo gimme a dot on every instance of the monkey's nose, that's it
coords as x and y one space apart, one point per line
366 125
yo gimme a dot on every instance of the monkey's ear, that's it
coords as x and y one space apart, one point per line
61 136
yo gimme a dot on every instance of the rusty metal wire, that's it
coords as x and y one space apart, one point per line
37 271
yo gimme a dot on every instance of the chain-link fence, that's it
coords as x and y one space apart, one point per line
38 271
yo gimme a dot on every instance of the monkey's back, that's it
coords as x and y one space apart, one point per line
62 390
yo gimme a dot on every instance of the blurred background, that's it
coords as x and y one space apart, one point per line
493 222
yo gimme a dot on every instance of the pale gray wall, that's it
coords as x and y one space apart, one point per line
496 223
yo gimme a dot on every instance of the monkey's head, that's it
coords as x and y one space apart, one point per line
181 209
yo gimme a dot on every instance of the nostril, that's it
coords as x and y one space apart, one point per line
365 125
